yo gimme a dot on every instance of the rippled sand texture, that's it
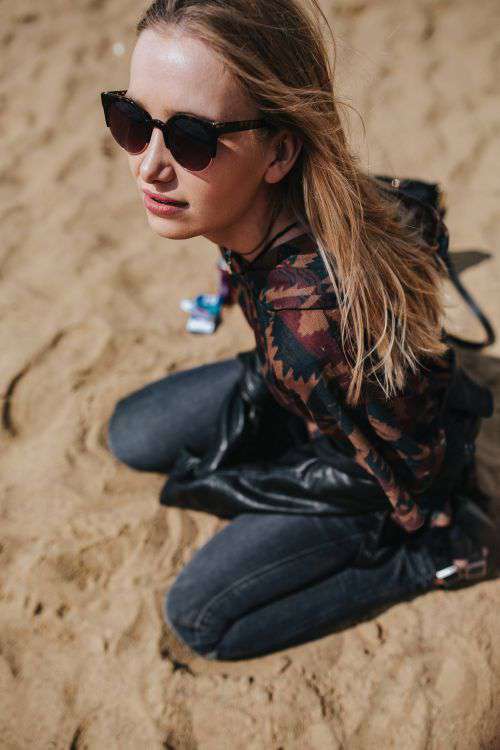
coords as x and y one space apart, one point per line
90 310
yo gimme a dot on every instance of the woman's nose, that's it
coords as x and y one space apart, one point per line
156 158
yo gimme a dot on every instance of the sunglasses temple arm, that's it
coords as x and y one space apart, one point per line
236 127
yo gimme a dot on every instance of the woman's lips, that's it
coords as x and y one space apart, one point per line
162 209
164 198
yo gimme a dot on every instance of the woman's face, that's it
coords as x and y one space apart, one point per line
175 72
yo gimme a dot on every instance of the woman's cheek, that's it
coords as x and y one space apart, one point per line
217 191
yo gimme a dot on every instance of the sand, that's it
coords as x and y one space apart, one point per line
90 311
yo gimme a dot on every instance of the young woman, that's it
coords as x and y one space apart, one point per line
334 444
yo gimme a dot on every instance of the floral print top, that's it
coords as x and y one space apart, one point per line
288 299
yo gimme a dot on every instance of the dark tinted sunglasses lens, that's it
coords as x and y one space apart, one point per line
191 143
128 127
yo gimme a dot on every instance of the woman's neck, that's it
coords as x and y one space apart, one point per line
281 222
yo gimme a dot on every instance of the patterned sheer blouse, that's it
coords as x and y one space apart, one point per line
288 299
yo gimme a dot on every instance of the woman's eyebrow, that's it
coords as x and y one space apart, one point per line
177 111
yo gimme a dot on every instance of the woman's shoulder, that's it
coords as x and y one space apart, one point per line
301 280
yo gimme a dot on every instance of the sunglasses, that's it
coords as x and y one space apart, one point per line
191 140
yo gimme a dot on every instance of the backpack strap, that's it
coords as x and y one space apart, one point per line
430 195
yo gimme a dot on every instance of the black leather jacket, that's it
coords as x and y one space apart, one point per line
263 459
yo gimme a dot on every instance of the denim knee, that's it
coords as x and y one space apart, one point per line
121 436
182 621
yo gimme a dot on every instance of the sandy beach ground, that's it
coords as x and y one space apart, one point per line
90 311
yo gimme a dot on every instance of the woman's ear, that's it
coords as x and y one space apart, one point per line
284 152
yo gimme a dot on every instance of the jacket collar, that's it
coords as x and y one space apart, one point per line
271 257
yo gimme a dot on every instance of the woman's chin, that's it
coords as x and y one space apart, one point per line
169 229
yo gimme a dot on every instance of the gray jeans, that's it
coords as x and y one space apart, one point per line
265 581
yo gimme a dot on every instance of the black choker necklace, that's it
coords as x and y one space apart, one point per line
227 253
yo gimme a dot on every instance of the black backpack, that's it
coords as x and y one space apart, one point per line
431 194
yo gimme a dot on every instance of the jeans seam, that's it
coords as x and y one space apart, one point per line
202 616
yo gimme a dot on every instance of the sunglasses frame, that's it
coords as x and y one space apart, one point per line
214 128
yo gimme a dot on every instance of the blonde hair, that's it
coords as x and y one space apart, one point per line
387 285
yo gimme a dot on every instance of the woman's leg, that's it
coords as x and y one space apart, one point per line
148 426
269 581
